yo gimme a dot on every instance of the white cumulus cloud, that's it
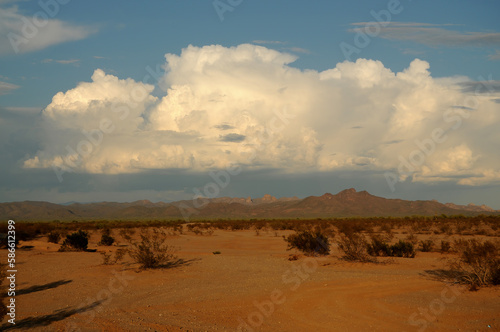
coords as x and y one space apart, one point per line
247 105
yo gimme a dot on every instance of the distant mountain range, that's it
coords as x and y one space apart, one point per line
347 203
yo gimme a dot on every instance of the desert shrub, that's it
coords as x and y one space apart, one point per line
326 229
200 229
106 258
386 228
152 251
77 241
378 247
26 234
126 233
178 228
190 227
279 225
478 263
27 231
303 227
403 249
412 238
421 226
354 247
445 246
461 227
259 226
480 231
427 245
309 242
240 225
349 227
54 237
119 254
445 228
106 238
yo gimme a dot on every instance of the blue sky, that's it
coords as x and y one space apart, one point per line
293 46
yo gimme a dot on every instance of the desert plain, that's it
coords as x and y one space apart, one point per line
243 280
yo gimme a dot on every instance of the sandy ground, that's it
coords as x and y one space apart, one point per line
250 286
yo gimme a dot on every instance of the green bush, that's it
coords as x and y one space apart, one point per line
309 242
77 241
